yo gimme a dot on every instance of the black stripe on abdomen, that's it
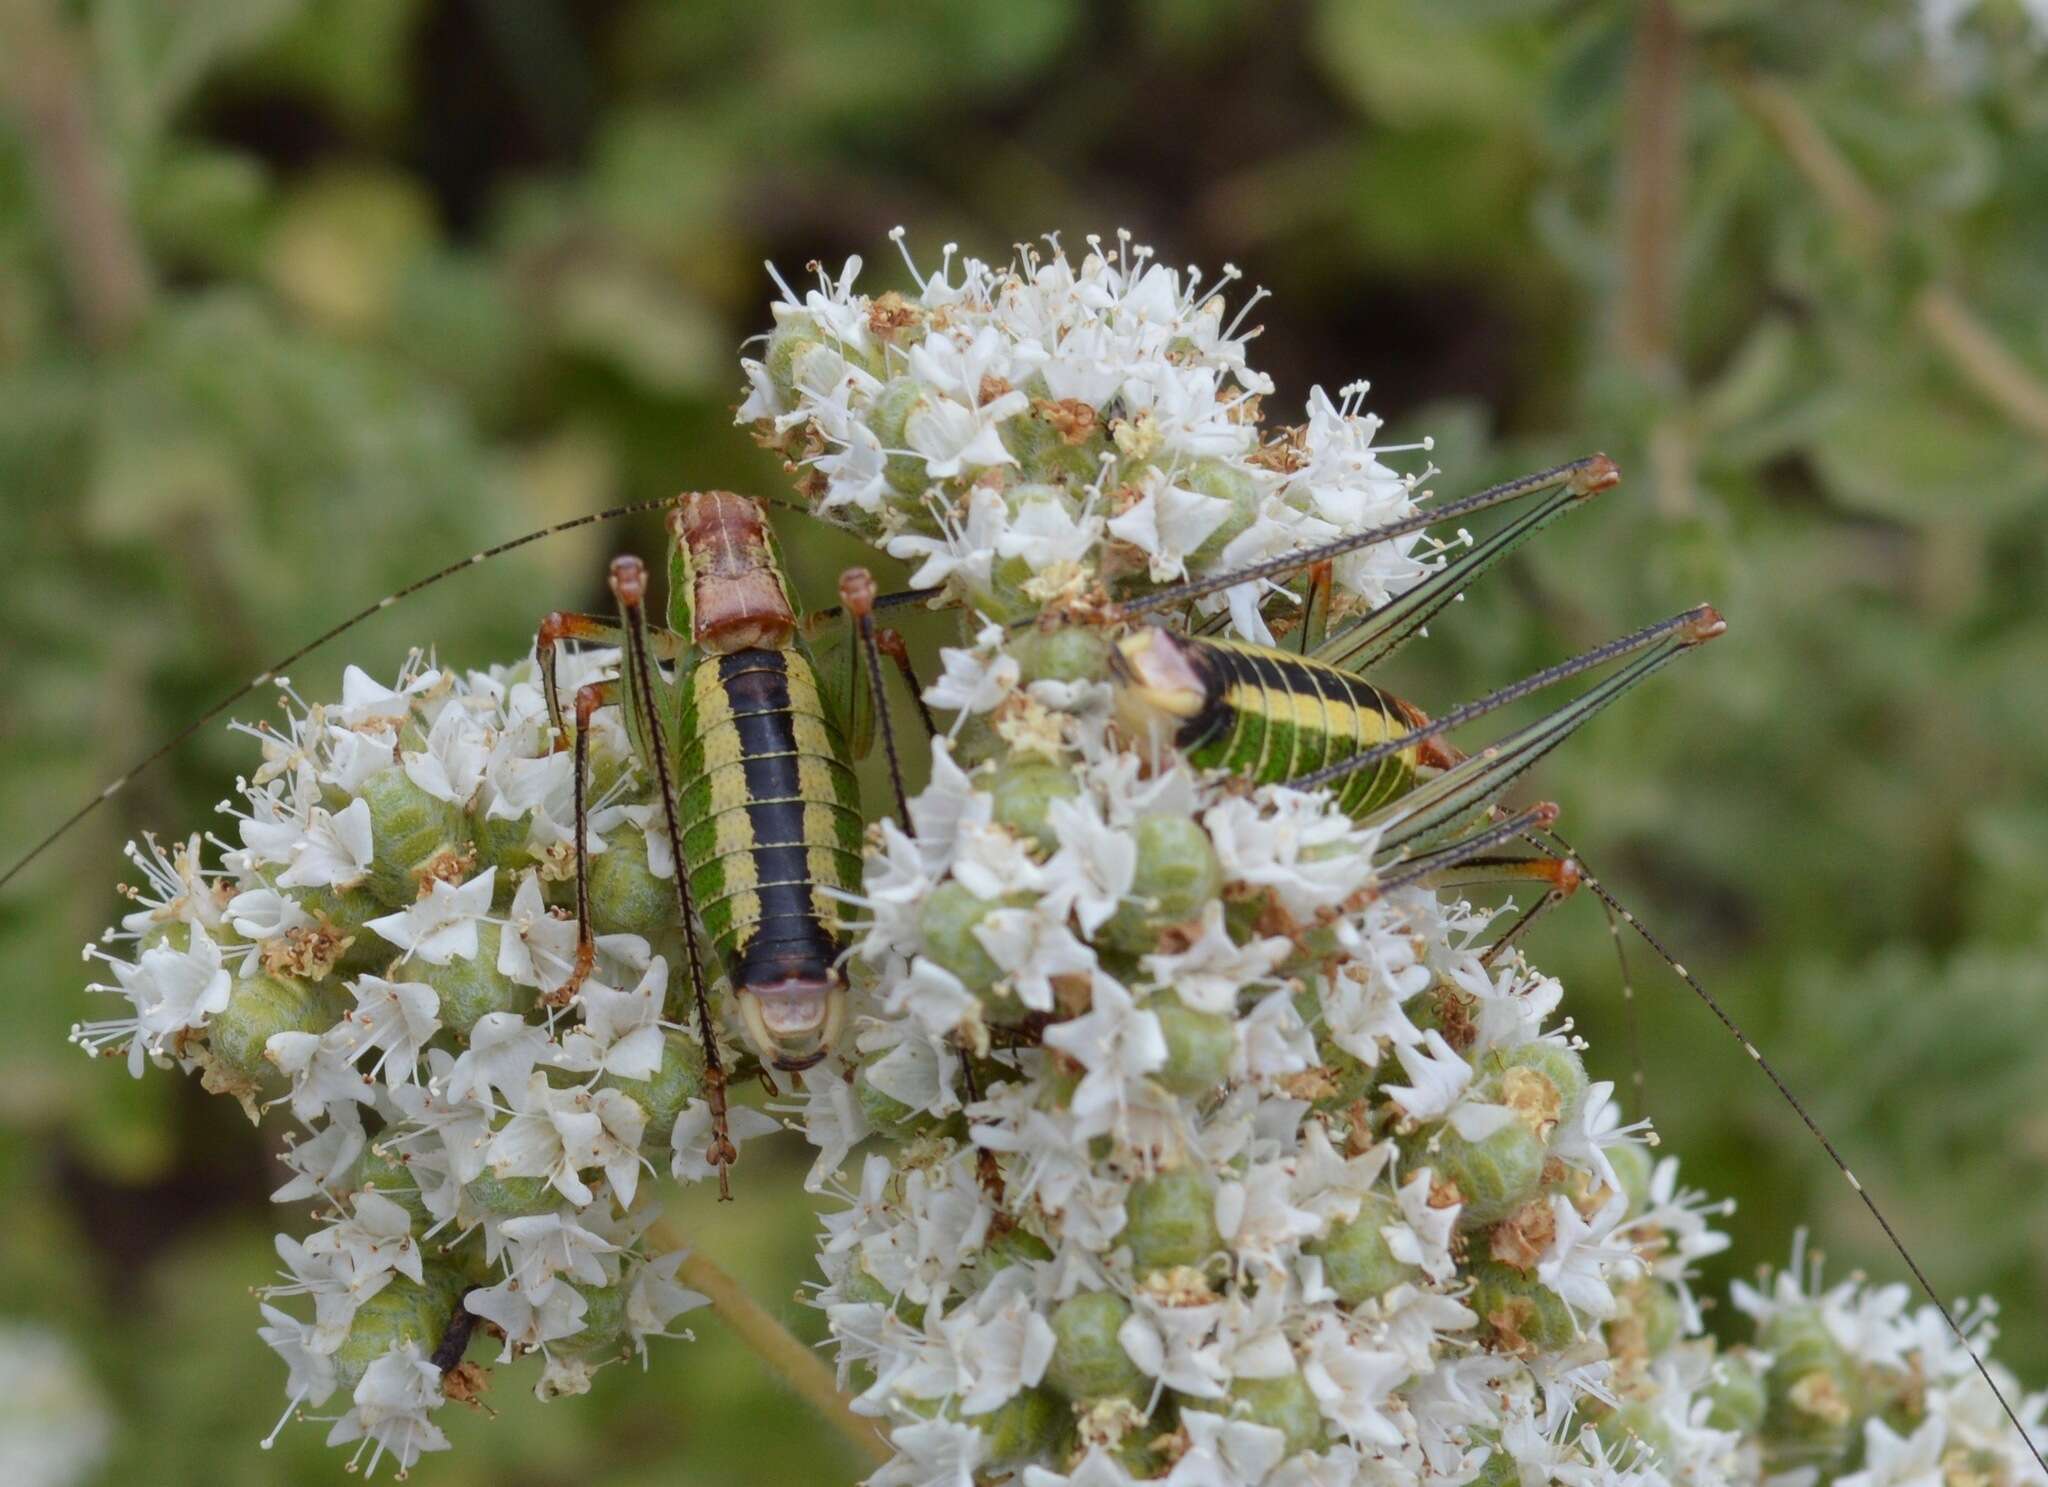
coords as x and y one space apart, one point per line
788 939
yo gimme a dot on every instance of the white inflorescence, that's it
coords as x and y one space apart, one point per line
375 956
999 429
1162 1143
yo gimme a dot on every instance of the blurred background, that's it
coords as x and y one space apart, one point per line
302 298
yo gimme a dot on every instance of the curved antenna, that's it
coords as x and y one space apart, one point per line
270 673
1784 1090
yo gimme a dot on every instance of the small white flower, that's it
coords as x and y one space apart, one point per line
503 1049
392 1403
537 948
441 925
1580 1265
654 1299
1211 972
1118 1043
335 851
621 1033
1169 523
550 1134
321 1068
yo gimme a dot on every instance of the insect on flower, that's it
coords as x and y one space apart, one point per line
1092 489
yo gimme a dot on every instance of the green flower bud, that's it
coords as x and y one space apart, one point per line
1012 1246
1499 1469
1357 1264
408 829
1214 477
883 1111
1634 1166
1170 1220
1518 1312
1286 1404
385 1172
888 416
1444 1009
401 1312
1662 1316
1087 1360
1495 1176
679 1080
1045 452
1555 1061
264 1005
604 1318
509 1197
1738 1393
471 988
860 1286
791 337
625 898
1200 1046
1024 790
1026 1425
1816 1395
1177 874
346 913
977 742
1067 653
948 920
1636 1420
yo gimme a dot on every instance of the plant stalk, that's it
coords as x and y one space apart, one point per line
775 1345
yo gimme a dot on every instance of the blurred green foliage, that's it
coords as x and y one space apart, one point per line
372 283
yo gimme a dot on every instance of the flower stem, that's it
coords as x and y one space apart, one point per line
45 86
775 1345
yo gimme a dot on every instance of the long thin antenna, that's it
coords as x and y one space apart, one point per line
271 672
1785 1092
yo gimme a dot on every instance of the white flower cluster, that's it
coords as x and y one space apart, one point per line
379 952
1254 1175
1189 1150
1019 430
1190 1154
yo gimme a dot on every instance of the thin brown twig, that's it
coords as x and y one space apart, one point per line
1942 315
1652 190
775 1345
43 82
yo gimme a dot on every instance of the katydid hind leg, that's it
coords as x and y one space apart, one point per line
857 598
1591 473
629 585
1386 629
1463 788
588 700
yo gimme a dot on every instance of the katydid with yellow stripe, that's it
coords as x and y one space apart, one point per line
729 716
752 757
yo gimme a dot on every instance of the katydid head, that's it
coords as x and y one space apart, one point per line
794 1021
727 591
1160 685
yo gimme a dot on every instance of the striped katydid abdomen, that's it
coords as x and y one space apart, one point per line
1271 716
753 769
771 824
